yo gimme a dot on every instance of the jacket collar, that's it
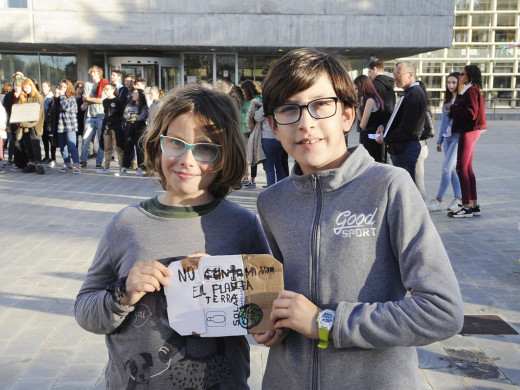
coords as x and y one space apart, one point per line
330 180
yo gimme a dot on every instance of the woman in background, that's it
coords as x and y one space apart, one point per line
371 114
449 140
469 117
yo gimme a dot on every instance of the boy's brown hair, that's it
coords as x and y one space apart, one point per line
298 70
217 113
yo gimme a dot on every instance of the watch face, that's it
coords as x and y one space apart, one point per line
327 317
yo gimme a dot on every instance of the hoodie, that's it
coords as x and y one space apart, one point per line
384 86
358 240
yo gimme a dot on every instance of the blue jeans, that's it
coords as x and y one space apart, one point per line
449 173
92 126
408 158
68 149
273 160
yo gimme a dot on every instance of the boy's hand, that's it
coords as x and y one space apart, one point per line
145 276
294 311
273 337
380 130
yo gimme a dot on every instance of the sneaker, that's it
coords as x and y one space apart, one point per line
103 170
123 172
252 184
476 210
245 183
99 166
29 169
46 160
139 172
39 169
14 168
82 164
51 164
455 205
76 170
8 164
434 205
461 213
66 169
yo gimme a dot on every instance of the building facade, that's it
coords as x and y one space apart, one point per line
171 43
486 33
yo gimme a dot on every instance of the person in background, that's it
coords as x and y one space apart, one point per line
469 117
48 139
67 126
112 131
449 141
3 133
95 114
116 77
371 113
9 99
135 115
428 132
251 91
155 96
31 131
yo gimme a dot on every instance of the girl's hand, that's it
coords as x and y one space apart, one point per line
294 311
273 337
439 147
145 276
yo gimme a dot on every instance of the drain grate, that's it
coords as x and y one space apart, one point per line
486 324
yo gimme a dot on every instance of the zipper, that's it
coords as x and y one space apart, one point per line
314 276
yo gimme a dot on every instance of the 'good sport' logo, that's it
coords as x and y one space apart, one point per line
355 225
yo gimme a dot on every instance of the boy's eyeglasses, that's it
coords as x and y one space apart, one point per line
203 152
290 113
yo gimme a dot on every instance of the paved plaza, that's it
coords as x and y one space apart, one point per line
50 226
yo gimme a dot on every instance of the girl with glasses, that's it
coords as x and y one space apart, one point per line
195 149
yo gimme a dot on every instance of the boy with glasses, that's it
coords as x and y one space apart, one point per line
366 275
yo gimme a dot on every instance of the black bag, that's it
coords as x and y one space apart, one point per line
397 147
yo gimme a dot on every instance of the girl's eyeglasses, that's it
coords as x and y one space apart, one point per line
203 152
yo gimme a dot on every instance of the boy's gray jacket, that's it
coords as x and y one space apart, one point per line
356 239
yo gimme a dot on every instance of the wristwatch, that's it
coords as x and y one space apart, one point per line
325 322
118 289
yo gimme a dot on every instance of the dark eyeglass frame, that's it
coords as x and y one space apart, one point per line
302 106
191 147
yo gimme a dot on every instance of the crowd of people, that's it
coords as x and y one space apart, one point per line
98 118
112 117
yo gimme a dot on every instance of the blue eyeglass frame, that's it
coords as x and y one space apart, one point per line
191 147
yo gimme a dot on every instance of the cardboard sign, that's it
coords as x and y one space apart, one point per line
218 296
29 112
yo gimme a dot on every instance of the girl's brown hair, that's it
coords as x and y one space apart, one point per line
219 116
70 88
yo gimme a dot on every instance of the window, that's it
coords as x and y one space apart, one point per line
55 68
17 3
479 51
454 66
481 5
198 68
457 52
505 36
432 82
431 67
246 68
482 65
506 20
507 5
226 67
481 20
503 67
502 52
460 35
461 20
479 36
502 82
462 5
25 63
262 65
434 54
